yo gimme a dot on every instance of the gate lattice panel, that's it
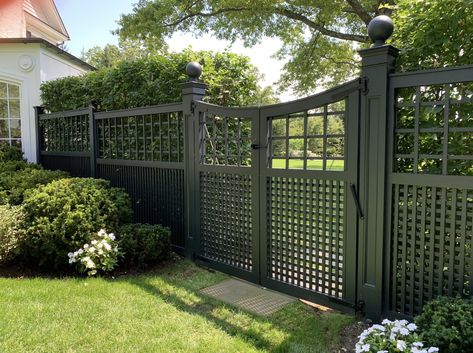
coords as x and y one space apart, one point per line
226 219
306 233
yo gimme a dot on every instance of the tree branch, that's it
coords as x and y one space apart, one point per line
360 11
325 31
279 11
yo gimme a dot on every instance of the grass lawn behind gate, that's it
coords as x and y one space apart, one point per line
156 312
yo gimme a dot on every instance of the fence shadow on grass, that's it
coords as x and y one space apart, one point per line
281 332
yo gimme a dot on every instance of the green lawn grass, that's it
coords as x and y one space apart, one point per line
159 312
334 165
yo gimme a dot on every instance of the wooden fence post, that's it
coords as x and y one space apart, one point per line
92 140
377 63
193 90
38 110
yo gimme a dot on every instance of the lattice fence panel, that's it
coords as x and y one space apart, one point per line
431 245
306 233
226 220
152 137
65 134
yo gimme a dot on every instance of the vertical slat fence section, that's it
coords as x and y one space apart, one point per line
431 177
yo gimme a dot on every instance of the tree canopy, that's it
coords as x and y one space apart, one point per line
320 38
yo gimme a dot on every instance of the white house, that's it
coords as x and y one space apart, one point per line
30 32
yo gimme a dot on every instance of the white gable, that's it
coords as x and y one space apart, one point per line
43 20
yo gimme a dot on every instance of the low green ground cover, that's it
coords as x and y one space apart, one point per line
156 312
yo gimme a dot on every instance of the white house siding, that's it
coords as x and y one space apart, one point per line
47 66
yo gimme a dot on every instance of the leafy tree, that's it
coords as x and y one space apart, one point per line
157 79
112 55
434 33
319 36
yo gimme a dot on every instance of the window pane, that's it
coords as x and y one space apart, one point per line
13 91
15 128
4 129
14 108
3 109
3 90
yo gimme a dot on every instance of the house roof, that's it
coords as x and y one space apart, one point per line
50 46
47 13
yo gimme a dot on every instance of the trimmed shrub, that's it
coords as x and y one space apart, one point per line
14 166
144 245
65 214
11 235
10 153
14 184
447 323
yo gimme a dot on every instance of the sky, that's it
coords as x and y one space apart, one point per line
90 22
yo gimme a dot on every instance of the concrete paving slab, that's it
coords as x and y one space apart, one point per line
248 296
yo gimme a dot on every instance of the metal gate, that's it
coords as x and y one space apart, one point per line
277 193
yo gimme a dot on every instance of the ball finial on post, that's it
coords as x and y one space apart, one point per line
380 29
193 70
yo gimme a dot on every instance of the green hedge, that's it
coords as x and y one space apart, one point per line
10 153
11 234
232 80
18 178
63 215
144 245
447 323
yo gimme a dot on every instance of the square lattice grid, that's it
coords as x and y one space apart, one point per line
306 233
434 129
65 134
225 140
225 218
432 239
155 137
312 140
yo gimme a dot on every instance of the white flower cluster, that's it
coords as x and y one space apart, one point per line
100 254
392 336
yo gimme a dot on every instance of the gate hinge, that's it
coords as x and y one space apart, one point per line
363 82
193 105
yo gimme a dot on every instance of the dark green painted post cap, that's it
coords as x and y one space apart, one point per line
193 70
380 29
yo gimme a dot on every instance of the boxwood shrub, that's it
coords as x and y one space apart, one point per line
63 215
143 245
447 323
10 153
11 234
20 179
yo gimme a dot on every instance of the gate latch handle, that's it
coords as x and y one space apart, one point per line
256 146
357 201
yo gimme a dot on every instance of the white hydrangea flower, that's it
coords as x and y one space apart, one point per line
401 345
412 327
433 350
93 242
107 246
111 236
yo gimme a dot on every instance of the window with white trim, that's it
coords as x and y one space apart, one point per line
10 119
